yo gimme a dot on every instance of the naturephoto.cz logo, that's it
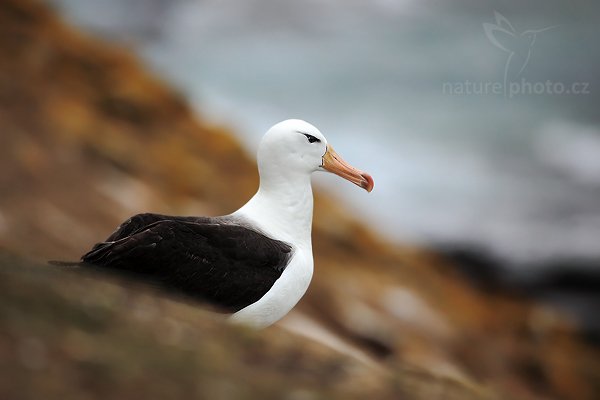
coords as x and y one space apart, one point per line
518 47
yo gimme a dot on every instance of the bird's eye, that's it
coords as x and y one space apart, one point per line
311 138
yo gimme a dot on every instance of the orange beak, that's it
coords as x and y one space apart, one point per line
332 162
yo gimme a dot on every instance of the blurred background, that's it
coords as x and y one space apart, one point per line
472 271
518 176
470 153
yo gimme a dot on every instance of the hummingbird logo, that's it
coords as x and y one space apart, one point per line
518 45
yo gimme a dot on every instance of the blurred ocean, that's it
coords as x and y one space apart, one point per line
413 92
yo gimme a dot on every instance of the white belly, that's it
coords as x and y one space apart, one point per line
283 296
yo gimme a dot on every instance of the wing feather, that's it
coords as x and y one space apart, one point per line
228 265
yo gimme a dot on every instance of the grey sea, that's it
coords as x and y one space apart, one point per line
479 121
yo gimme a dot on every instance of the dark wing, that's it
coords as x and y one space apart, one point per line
139 222
228 265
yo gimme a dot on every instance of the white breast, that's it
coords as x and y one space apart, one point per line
283 212
283 296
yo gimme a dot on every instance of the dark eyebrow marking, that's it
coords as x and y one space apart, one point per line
311 138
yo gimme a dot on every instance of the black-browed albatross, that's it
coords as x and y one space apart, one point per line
256 262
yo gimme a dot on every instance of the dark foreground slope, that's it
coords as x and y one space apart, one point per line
88 138
66 335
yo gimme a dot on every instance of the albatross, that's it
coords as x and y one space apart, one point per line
255 263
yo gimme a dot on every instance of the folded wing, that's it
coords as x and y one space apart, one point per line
226 264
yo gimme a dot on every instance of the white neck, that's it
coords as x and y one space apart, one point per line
282 208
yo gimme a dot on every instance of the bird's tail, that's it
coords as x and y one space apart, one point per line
64 263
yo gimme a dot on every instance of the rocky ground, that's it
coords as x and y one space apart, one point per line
89 138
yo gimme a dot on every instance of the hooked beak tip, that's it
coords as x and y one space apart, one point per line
367 182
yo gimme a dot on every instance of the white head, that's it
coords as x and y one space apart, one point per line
294 148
